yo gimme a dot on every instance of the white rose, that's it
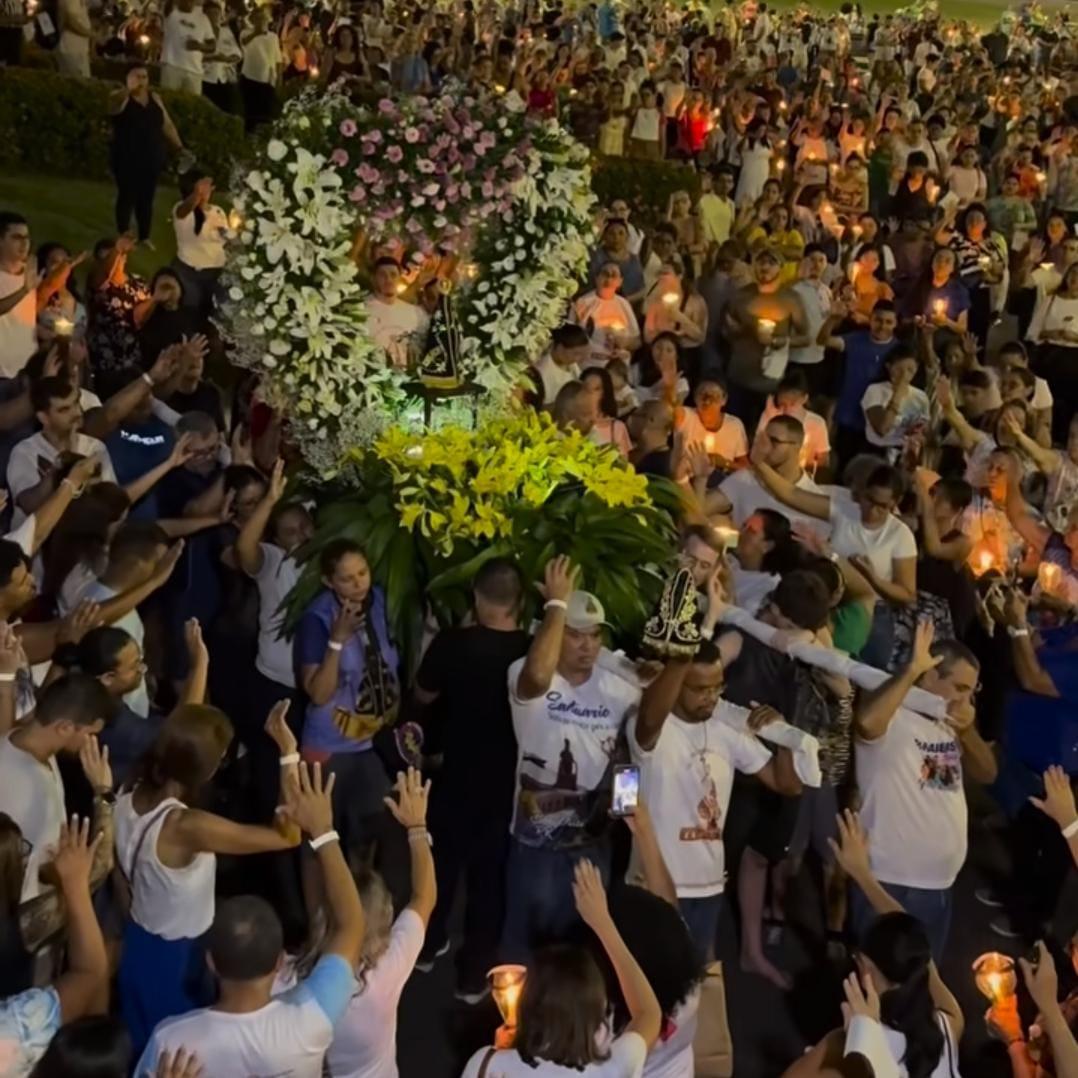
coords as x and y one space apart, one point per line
276 150
235 292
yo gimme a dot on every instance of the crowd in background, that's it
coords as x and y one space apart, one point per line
851 340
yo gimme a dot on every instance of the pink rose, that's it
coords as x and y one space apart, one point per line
411 134
357 194
339 157
348 128
369 149
487 189
387 106
394 154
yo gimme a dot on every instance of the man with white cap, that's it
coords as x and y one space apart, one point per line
567 715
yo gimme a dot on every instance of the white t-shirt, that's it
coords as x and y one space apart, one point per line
673 1058
729 441
880 546
17 341
914 409
746 494
287 1038
395 325
32 794
627 1055
222 71
206 249
365 1040
751 587
947 1067
686 780
816 302
138 699
817 443
605 315
178 27
554 377
912 802
277 577
22 465
262 58
566 740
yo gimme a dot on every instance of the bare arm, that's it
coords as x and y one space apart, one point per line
1027 667
542 658
248 546
813 505
195 831
657 878
875 708
410 811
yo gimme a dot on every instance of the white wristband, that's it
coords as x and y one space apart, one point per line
555 604
333 645
323 840
1014 633
4 678
147 379
1071 829
291 758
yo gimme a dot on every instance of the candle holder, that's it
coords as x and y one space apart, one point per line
995 977
506 985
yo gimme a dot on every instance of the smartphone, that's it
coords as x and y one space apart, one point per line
626 790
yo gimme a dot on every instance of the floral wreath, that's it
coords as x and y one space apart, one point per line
500 200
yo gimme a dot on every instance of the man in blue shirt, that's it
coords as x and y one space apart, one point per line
865 351
138 444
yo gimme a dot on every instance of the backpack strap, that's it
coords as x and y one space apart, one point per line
485 1065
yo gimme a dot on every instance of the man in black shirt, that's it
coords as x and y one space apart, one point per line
462 685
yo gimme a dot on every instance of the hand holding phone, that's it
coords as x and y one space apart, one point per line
626 790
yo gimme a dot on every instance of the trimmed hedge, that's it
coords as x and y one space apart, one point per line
645 185
58 125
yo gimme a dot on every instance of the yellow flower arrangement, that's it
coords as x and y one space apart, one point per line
456 484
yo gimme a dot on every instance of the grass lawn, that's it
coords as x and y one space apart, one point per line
77 213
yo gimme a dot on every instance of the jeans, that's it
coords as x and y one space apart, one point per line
539 894
931 908
881 638
701 917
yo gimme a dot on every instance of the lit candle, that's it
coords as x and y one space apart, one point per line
767 329
670 298
143 39
984 562
709 441
63 327
1049 576
995 977
1047 266
1041 177
780 164
506 984
402 287
617 327
940 308
728 537
313 72
235 221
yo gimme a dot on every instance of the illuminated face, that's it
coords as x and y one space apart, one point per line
386 278
608 280
699 558
580 649
782 446
700 691
882 325
877 504
64 415
351 578
943 263
127 674
766 270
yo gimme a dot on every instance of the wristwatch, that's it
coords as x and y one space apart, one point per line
107 796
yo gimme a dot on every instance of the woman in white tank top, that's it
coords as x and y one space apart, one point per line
166 851
922 1022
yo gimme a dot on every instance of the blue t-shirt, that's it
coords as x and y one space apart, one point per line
364 689
134 449
864 361
127 736
954 295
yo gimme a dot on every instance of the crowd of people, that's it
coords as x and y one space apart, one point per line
851 342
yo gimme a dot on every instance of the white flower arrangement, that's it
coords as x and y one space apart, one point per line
509 195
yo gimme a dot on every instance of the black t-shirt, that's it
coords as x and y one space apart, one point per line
471 722
203 398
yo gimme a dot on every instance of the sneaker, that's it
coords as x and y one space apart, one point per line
472 998
426 962
1002 926
987 897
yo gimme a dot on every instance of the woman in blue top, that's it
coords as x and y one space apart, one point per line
947 299
349 669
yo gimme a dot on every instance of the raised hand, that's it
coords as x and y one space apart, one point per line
82 471
12 656
347 622
168 560
74 855
1058 802
590 896
278 729
1042 981
278 482
559 578
311 803
922 660
851 850
762 715
410 807
182 451
85 616
95 765
197 651
861 999
183 1064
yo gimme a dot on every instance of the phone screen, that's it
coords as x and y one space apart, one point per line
626 790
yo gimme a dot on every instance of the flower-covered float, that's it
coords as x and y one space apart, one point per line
497 205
